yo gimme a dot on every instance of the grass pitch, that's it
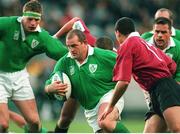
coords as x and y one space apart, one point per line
81 126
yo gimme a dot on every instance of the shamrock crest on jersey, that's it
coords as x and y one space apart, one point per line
16 35
34 43
92 68
71 70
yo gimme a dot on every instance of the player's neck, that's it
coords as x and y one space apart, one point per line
84 55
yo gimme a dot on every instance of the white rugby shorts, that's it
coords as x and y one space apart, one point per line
15 86
91 115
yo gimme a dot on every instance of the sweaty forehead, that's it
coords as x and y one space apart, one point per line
72 40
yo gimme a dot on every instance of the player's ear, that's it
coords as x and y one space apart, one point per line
117 33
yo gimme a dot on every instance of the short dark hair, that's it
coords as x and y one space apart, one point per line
125 25
105 43
81 36
163 20
33 5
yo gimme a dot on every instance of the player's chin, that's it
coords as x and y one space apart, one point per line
160 44
74 56
31 29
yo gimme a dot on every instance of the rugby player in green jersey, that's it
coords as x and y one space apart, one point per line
170 47
90 73
21 38
162 39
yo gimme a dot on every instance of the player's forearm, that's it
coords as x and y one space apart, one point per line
120 88
66 28
60 32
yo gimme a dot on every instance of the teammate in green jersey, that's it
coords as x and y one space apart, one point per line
162 39
90 71
21 38
164 12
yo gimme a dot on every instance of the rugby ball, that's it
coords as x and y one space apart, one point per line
61 76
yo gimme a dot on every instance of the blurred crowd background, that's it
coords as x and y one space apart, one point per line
99 16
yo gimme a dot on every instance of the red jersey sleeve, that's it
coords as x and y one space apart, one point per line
79 24
123 66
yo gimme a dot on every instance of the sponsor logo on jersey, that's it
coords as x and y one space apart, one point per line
92 68
34 43
16 35
71 70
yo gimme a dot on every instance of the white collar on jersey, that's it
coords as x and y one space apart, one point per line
90 52
171 43
19 19
134 34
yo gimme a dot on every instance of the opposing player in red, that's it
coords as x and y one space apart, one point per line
152 70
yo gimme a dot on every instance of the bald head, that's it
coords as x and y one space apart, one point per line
164 12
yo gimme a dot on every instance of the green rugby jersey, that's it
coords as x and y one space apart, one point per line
173 51
17 46
92 79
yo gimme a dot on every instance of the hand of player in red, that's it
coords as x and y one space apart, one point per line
107 111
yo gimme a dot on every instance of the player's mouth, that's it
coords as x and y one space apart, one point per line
160 41
32 28
73 54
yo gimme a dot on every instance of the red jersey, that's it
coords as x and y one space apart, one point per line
80 25
146 63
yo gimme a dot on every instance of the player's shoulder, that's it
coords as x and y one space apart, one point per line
177 42
98 52
8 19
177 34
65 59
103 51
45 36
147 35
177 31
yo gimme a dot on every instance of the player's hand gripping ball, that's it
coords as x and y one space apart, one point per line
60 76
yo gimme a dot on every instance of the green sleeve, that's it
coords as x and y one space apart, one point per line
54 48
176 57
177 37
5 23
177 60
177 73
146 35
